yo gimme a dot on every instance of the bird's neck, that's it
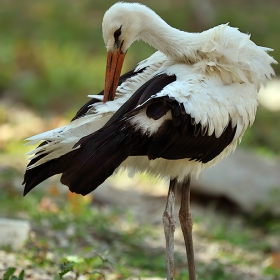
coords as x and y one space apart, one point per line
176 44
221 50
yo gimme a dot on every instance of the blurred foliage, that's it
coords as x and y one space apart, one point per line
9 274
52 52
264 136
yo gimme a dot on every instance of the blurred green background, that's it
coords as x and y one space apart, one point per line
52 53
52 56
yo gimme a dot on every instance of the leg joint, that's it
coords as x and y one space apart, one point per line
186 219
169 220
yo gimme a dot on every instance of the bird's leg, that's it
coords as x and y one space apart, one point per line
169 224
186 225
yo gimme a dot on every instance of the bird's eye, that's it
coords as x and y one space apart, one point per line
117 34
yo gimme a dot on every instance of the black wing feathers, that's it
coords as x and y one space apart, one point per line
181 137
156 111
101 152
162 140
38 174
97 160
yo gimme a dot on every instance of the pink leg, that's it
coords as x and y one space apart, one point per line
169 225
186 225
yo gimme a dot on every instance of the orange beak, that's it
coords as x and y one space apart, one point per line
113 72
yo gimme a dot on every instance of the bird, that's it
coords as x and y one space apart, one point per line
178 112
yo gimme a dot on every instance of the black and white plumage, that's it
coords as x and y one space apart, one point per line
180 111
214 115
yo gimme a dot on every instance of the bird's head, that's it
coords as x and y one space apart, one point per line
121 26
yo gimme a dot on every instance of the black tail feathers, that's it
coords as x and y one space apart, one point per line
86 167
38 174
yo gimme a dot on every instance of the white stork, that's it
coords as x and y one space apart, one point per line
178 112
